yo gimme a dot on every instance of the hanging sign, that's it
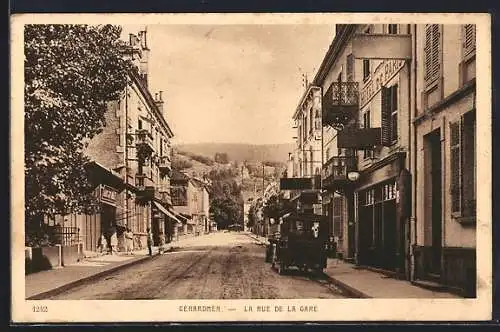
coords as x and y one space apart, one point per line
108 195
384 73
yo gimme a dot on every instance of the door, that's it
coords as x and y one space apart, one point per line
435 191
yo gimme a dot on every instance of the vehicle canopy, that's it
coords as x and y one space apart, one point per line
304 225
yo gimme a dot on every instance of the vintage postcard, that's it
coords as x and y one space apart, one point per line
251 167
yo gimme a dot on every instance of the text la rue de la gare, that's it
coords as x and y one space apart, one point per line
281 308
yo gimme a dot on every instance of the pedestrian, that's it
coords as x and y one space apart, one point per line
114 241
102 244
161 248
150 241
128 241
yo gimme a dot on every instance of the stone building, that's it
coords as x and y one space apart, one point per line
130 162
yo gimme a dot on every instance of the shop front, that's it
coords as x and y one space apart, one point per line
381 211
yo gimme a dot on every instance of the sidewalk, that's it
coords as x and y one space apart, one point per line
364 283
42 284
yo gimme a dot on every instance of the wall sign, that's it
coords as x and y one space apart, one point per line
384 73
108 195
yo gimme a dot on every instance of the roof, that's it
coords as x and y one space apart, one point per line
149 98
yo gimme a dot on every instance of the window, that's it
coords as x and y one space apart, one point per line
366 69
392 29
317 120
311 120
305 127
338 222
312 161
463 167
370 197
468 40
366 62
139 124
367 153
350 68
432 54
389 191
389 115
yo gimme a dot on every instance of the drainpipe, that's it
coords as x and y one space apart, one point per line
413 135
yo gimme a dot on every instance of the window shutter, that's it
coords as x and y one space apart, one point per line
337 217
386 116
469 39
432 60
455 167
350 68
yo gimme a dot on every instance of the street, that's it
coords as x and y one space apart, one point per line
222 265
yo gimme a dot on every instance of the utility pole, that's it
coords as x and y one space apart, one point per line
263 181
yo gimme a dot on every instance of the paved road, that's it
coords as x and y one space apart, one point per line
218 266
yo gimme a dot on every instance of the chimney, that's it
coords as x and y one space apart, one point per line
143 68
159 102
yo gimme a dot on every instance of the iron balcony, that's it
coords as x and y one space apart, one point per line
336 169
340 104
144 141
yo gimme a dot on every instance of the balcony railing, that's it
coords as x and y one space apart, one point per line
164 164
145 186
341 103
144 140
336 169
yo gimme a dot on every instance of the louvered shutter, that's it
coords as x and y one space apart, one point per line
432 61
337 217
386 116
469 39
455 166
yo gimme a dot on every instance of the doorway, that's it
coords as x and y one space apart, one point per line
434 194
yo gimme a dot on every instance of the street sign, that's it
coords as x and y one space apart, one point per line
365 138
296 183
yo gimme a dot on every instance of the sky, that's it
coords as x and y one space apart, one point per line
233 83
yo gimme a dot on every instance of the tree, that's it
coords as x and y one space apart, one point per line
221 158
71 74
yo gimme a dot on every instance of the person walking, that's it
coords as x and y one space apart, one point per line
150 241
113 241
161 248
129 238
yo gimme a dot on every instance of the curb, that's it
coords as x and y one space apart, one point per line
63 288
346 289
261 242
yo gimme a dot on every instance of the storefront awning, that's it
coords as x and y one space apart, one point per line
167 212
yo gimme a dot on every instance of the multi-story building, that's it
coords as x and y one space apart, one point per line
445 147
191 200
399 148
131 160
365 114
305 161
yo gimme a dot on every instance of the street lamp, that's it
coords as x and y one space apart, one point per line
353 176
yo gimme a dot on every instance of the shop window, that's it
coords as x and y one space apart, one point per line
389 115
392 29
463 167
389 191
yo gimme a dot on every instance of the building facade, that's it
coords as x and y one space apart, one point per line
445 127
191 200
130 163
398 121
